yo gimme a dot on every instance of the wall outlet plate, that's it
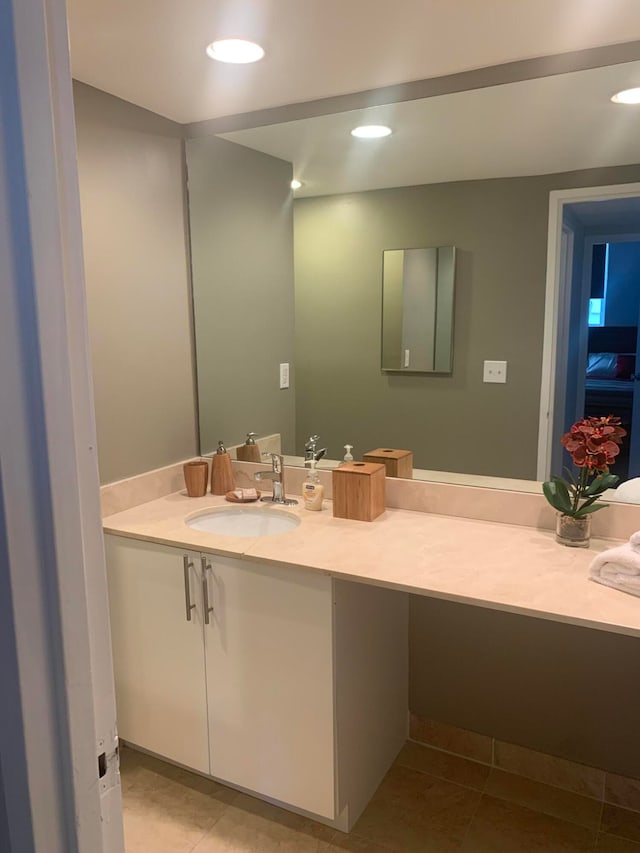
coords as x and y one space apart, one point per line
495 371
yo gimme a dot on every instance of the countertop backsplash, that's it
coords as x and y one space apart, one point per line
618 521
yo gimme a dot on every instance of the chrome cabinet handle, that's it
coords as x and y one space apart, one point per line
187 588
205 590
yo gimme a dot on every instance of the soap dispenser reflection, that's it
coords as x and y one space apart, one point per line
249 451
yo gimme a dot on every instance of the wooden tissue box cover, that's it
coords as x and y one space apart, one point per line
358 491
399 463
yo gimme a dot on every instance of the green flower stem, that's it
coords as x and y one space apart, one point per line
583 485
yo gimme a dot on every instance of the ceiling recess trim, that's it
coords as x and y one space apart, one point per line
478 78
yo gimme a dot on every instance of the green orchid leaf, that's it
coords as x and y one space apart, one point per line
570 476
563 485
602 483
589 501
557 494
610 480
563 493
589 509
549 489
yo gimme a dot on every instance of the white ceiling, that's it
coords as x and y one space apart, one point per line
552 124
151 52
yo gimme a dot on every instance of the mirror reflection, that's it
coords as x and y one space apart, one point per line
417 309
473 170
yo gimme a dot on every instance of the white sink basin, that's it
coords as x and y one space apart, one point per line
244 521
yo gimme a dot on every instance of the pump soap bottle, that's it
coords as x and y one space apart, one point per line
348 456
221 471
312 489
249 451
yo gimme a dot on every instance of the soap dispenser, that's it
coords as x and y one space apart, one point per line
221 471
348 457
312 489
249 451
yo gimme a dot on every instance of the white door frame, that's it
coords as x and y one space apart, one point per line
555 320
55 656
566 249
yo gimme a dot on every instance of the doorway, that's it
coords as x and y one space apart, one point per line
612 282
589 362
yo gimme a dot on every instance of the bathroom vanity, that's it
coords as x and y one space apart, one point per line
278 664
281 681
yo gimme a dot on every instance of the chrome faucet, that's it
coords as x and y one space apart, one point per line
276 474
311 451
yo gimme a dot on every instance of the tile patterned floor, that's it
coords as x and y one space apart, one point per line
429 802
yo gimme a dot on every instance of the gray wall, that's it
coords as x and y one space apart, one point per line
451 422
134 232
16 820
242 256
556 688
5 843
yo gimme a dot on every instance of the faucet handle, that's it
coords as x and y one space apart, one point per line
277 460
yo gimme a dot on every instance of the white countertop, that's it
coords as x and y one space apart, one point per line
500 566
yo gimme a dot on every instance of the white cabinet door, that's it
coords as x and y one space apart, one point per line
270 681
158 653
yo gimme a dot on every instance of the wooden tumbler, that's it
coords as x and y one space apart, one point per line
196 477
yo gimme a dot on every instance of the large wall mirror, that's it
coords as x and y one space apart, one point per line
283 277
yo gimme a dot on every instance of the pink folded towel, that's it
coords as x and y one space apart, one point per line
619 567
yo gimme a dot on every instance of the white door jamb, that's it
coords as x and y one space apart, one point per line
556 338
61 714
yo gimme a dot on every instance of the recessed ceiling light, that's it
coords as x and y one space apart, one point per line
628 96
371 131
238 51
295 184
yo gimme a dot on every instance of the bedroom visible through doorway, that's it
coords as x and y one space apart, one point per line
603 305
612 342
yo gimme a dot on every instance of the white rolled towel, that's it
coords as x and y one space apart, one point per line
619 567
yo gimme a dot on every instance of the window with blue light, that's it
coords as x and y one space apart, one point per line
596 312
598 294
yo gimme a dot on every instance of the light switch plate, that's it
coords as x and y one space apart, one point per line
284 375
495 371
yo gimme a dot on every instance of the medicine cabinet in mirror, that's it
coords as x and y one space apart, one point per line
417 309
